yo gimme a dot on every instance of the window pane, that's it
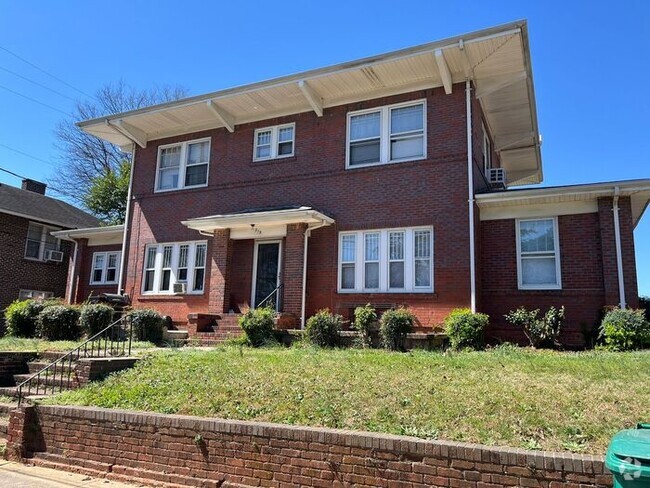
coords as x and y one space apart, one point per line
411 147
168 179
97 275
196 175
34 232
396 274
112 260
285 148
364 152
422 272
538 271
170 157
182 274
198 279
151 257
111 275
347 276
364 126
99 261
199 261
422 244
285 134
372 247
396 245
406 119
32 249
166 279
148 280
372 275
263 152
167 256
537 235
198 153
348 251
264 138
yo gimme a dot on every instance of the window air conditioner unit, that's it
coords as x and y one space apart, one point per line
496 177
179 288
56 256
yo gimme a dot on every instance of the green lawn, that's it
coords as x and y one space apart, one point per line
515 397
20 344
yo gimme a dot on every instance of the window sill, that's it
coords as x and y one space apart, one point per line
34 260
280 159
389 292
540 288
348 166
98 283
194 187
168 296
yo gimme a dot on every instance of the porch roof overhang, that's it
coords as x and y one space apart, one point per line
566 199
97 236
259 219
497 60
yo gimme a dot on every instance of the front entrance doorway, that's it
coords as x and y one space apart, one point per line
266 272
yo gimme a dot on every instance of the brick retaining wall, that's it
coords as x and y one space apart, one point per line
191 451
12 363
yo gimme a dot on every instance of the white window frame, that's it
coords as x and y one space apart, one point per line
275 142
34 294
384 134
105 267
409 261
556 246
46 230
158 269
487 150
182 169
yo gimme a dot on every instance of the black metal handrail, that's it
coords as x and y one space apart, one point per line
112 341
276 291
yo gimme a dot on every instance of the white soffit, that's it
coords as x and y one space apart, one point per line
496 59
97 236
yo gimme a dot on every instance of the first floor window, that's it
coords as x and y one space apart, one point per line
386 260
34 294
170 263
274 142
538 254
104 270
40 241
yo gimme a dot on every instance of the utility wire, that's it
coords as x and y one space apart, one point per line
26 154
46 72
37 83
35 101
13 174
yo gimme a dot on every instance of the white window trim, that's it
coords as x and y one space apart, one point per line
384 134
183 165
487 150
43 294
409 262
41 249
103 281
157 278
275 130
558 267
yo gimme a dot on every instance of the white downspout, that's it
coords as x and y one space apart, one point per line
120 282
619 254
73 274
470 194
304 272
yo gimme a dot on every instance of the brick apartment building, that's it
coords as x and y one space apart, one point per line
388 180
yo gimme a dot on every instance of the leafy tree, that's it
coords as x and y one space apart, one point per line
107 194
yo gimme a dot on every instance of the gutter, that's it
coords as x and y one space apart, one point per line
470 196
619 254
120 279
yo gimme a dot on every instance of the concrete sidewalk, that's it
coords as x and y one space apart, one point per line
16 475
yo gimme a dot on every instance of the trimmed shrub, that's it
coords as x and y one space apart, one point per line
22 316
323 329
625 330
95 317
364 318
147 325
540 331
393 327
59 323
466 329
258 325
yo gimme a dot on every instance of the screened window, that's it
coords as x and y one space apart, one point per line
183 165
171 263
387 134
104 270
539 257
40 241
388 260
274 142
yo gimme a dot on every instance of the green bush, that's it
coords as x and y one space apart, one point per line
59 323
258 325
625 330
95 317
393 327
22 316
540 331
147 325
466 329
364 318
323 329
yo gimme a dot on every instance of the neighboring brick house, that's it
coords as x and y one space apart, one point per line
381 181
33 262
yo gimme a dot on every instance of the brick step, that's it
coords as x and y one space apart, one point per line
49 380
6 408
9 391
36 366
50 356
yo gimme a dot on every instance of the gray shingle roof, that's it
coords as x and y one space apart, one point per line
43 208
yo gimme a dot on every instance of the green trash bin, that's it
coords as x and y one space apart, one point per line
628 457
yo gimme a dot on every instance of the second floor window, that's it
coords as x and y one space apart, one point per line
274 142
183 165
387 134
105 266
40 241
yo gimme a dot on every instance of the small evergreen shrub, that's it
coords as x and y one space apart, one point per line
59 323
323 329
466 329
364 318
95 317
625 330
393 327
18 322
258 325
540 331
147 325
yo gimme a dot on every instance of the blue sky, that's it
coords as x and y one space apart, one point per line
590 63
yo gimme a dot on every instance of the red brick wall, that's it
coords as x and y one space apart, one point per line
82 288
193 451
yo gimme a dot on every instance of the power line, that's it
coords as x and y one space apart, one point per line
46 72
35 101
26 154
13 174
37 83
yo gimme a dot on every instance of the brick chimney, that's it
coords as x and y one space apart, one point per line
35 186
